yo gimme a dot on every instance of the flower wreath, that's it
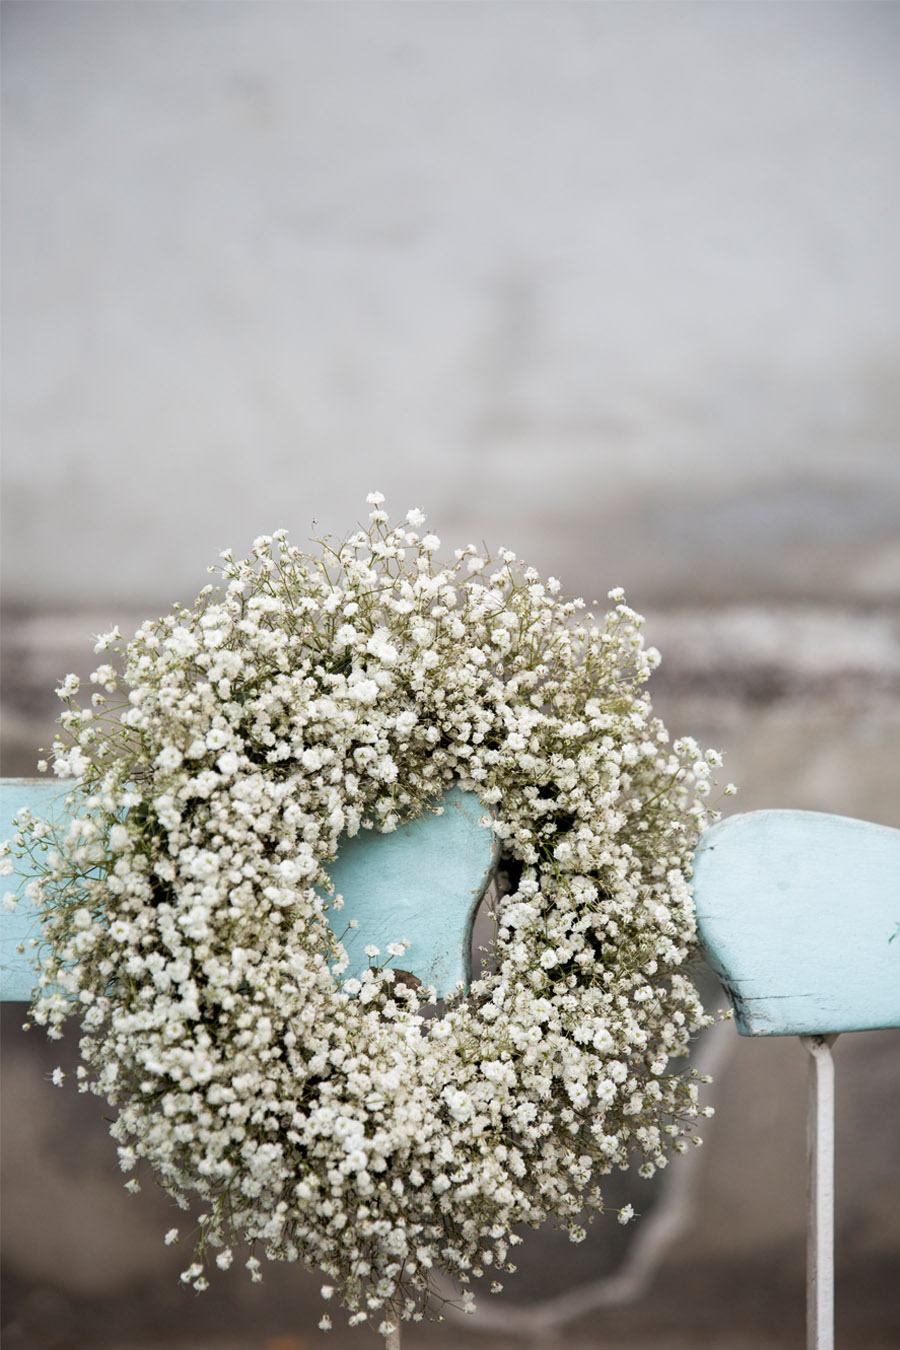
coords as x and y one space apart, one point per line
341 1122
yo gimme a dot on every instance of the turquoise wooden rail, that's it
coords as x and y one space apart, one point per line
423 882
798 914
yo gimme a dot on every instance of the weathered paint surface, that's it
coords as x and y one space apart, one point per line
421 882
45 797
799 914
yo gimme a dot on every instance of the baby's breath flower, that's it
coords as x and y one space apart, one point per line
69 687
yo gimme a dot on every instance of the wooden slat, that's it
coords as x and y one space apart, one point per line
46 798
422 882
799 914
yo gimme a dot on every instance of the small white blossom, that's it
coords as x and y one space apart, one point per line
169 758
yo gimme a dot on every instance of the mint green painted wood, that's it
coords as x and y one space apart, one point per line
799 914
46 798
423 882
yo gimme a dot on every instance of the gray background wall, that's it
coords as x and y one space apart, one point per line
613 284
620 280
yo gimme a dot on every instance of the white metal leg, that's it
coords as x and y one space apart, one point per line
820 1192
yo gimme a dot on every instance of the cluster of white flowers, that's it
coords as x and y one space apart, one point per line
342 1122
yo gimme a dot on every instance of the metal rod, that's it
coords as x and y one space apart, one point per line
820 1195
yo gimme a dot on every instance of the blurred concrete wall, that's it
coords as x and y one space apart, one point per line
618 281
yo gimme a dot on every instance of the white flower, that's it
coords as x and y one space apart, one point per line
169 758
118 838
379 646
69 687
171 1236
364 691
415 517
